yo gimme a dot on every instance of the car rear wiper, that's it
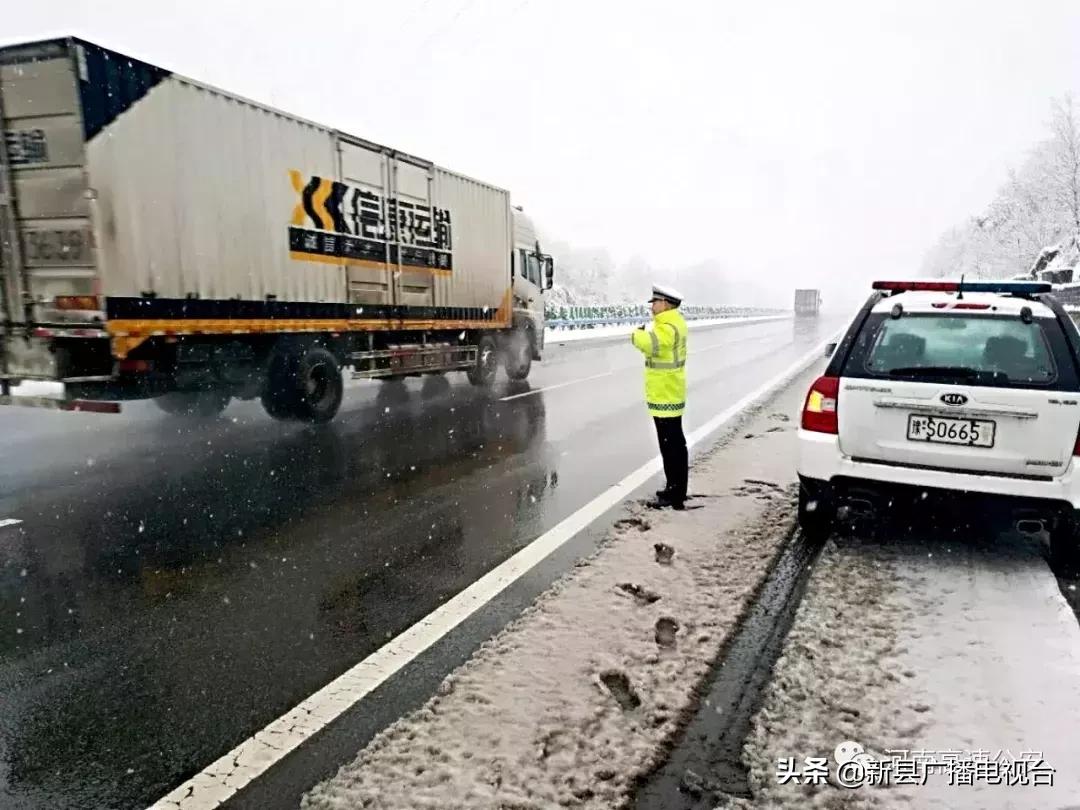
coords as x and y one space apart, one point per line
937 371
959 372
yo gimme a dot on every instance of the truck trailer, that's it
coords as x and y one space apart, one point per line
807 302
163 239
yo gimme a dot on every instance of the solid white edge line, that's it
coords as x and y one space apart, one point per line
9 522
225 777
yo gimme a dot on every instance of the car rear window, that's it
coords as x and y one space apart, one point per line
992 350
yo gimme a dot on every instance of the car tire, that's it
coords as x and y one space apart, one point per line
1065 545
816 515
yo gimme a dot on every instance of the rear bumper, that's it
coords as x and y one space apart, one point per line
820 460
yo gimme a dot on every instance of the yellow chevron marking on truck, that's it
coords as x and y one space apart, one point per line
298 184
318 202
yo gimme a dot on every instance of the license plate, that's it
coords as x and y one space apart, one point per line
946 430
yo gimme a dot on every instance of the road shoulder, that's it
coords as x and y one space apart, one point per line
929 644
579 698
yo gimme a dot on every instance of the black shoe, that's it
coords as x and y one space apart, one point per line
663 494
678 506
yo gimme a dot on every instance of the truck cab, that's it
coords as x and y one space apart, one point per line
533 274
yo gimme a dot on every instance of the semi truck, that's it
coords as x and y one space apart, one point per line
163 239
807 302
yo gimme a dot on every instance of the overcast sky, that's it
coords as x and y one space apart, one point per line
831 140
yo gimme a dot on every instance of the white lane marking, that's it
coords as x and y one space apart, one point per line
9 522
220 780
557 385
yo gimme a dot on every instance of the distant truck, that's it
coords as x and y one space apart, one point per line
163 239
807 302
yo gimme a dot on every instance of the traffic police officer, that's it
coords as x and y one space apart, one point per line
664 347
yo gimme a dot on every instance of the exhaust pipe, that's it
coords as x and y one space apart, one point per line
855 508
1029 526
861 507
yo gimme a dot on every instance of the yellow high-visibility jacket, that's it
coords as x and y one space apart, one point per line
664 347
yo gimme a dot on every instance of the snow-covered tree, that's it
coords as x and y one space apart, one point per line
1033 223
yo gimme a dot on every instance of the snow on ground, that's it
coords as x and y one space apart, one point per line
567 335
908 644
578 697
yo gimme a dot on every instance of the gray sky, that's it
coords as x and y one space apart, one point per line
825 142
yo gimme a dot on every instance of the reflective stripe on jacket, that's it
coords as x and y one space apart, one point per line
664 347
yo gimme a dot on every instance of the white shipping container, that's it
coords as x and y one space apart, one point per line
182 194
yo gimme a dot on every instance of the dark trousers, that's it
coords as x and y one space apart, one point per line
673 451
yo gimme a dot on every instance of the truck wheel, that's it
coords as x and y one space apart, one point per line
518 355
199 404
321 387
280 397
487 362
306 387
816 515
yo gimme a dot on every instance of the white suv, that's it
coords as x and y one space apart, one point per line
943 387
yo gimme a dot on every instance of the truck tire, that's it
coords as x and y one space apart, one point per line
816 515
303 383
198 404
321 387
487 362
518 355
280 397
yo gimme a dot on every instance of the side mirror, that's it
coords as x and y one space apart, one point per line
549 272
830 350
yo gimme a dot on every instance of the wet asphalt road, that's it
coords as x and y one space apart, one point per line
172 587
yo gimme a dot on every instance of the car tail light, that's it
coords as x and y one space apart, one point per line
1076 445
819 412
83 302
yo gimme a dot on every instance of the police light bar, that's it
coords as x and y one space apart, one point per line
1014 287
